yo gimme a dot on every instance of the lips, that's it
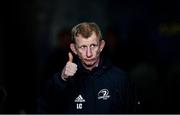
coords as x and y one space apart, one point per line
89 60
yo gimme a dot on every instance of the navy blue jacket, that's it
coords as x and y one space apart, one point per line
105 89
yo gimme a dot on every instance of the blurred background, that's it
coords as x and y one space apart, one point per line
143 38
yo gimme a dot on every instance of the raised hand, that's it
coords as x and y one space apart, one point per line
69 69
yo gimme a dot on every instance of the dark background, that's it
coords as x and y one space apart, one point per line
143 39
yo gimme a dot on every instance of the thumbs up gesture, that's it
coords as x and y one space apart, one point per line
69 69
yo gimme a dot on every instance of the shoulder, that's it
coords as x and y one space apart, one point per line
113 71
115 75
116 71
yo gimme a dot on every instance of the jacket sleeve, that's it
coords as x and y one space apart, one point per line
126 92
132 98
49 90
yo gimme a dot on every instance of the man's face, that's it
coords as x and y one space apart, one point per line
88 50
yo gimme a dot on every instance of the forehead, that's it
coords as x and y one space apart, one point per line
80 40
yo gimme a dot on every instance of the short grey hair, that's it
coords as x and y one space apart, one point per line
85 29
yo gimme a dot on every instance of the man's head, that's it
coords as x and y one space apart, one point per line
87 43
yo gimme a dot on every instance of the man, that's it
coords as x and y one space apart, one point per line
89 84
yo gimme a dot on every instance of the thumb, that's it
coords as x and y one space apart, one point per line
70 57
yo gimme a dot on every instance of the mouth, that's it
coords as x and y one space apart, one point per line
89 60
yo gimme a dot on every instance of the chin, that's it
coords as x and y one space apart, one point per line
89 63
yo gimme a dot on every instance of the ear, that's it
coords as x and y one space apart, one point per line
72 46
102 44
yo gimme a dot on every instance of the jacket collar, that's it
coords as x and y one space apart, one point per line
103 66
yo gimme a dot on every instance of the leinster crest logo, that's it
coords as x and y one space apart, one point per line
103 94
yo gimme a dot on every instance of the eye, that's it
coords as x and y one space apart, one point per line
93 45
82 47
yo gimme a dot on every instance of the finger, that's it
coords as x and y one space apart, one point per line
71 65
70 57
71 69
70 73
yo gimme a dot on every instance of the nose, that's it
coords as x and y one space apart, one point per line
89 52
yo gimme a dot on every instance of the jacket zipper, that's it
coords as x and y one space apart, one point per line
94 94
